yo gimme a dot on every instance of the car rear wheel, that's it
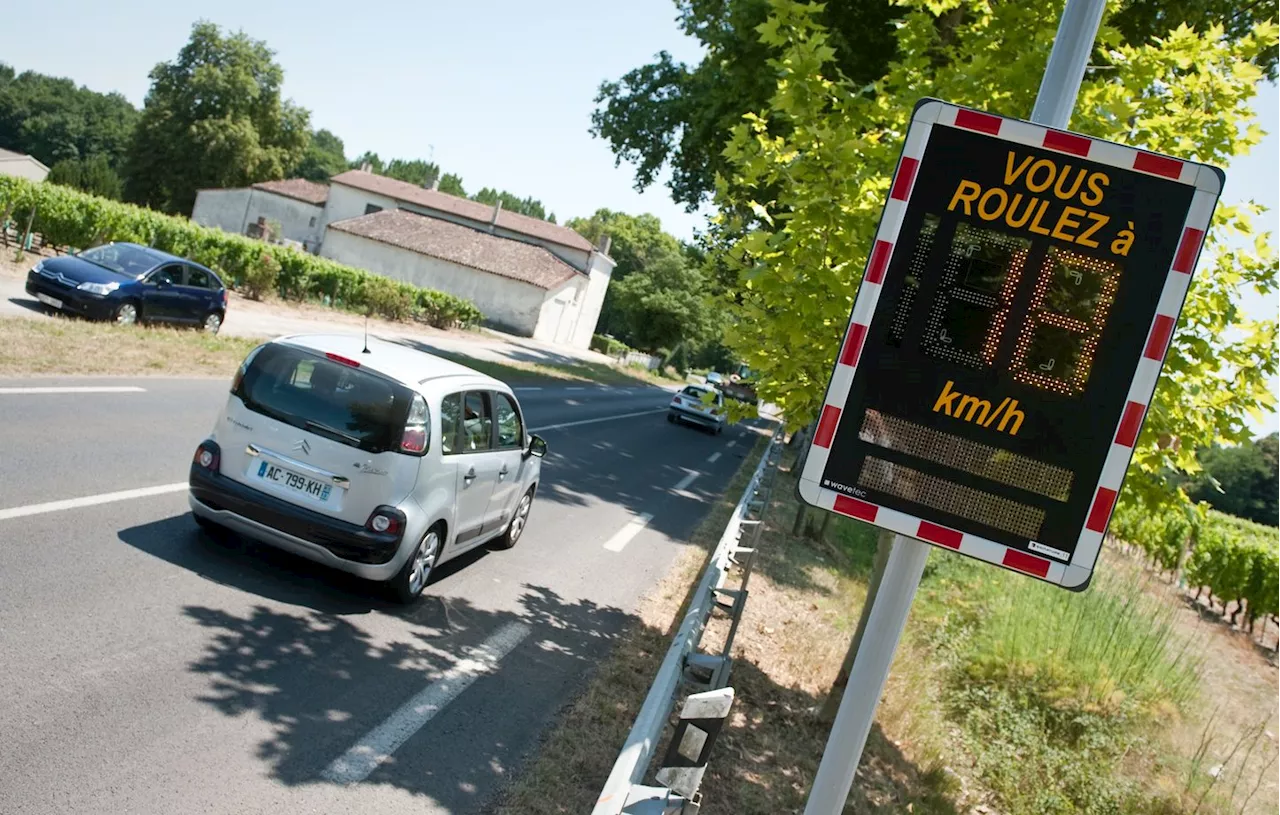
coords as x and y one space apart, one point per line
212 322
412 578
518 522
126 313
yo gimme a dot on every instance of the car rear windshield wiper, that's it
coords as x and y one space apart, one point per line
332 431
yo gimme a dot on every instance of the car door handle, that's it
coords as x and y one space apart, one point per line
503 472
470 475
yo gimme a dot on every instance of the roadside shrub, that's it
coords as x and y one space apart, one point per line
261 276
75 220
608 345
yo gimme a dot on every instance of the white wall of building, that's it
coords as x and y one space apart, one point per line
23 167
234 210
598 277
348 202
507 304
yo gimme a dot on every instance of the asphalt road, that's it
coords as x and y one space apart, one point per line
149 669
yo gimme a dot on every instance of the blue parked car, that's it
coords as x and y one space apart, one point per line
128 284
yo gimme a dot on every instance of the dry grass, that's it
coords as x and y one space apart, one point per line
77 347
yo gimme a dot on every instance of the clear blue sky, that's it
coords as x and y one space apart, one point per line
502 90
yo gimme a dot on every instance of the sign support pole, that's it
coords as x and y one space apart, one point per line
1077 30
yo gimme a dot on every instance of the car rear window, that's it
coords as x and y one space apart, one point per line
327 398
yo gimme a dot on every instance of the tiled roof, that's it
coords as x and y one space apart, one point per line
462 245
299 189
472 210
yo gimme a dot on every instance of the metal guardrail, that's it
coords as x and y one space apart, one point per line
637 752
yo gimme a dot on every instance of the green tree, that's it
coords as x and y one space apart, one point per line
511 203
671 114
92 175
452 184
657 299
414 171
214 117
1241 480
323 159
812 198
53 120
375 163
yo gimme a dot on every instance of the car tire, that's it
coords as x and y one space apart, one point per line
719 429
671 417
519 520
127 313
212 322
406 587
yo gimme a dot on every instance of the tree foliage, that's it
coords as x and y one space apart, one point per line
1241 480
214 117
53 120
813 196
324 158
92 175
659 299
671 114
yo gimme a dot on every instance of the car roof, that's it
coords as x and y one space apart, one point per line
162 256
400 362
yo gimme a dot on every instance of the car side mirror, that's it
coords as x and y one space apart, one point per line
537 446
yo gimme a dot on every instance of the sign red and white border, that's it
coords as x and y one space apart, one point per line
928 115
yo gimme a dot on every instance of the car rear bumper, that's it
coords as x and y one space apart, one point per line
687 415
312 535
73 301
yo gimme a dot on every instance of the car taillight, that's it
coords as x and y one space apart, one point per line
414 438
386 521
341 360
224 298
208 455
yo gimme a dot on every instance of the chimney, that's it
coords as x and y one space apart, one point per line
605 243
366 167
497 210
435 184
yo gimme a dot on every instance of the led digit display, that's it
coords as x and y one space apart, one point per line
990 375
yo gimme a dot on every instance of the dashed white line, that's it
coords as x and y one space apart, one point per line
732 443
687 480
575 389
89 501
593 421
624 535
526 389
377 746
74 389
713 458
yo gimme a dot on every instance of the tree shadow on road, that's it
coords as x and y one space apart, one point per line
322 683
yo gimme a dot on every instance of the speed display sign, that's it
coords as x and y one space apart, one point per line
1007 337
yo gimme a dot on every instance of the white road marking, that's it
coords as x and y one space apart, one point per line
713 458
377 746
74 389
624 535
575 389
593 421
89 501
526 389
687 480
730 444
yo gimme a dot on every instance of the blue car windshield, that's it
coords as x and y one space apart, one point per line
127 260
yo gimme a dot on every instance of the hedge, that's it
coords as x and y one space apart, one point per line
1234 559
70 218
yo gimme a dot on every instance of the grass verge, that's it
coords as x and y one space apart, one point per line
77 347
599 373
1007 695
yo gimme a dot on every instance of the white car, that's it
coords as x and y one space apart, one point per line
694 405
383 462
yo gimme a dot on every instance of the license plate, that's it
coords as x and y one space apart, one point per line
290 480
49 301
